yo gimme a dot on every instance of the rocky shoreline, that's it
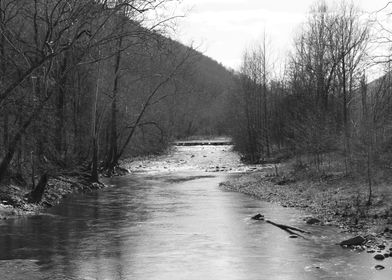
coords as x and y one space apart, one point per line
339 205
333 201
14 201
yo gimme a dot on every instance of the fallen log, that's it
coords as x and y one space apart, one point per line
288 229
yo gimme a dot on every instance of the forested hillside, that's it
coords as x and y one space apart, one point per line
86 83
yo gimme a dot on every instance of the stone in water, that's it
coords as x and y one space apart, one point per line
258 217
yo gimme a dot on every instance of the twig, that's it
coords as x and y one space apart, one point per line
289 229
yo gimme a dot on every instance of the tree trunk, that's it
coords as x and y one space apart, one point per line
5 129
60 109
266 123
113 154
2 74
77 146
36 195
345 115
94 130
367 136
369 176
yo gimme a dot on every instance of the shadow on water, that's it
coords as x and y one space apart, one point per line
173 227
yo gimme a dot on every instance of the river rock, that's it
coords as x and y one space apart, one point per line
370 251
379 267
379 257
386 255
355 241
312 221
381 246
258 217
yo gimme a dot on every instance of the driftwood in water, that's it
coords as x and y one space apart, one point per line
289 229
258 217
35 195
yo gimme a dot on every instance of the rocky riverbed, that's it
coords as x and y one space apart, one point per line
211 159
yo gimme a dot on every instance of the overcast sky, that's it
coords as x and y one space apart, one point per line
222 29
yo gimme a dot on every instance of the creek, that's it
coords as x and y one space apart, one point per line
170 220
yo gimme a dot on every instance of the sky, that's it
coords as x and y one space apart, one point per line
223 29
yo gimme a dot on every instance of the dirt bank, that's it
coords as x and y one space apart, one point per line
13 199
212 159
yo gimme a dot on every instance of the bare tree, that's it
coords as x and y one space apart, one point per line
254 79
28 55
349 40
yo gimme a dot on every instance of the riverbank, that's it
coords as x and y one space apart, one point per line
211 159
334 199
14 201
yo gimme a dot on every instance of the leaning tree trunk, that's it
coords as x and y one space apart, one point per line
94 130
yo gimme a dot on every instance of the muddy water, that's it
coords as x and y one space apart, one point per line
171 221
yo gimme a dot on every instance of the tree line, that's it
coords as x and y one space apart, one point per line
84 83
322 108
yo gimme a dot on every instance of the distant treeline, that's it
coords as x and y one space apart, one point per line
85 83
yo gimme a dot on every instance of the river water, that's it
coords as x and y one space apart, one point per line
174 222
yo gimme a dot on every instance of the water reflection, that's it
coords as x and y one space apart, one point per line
160 228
